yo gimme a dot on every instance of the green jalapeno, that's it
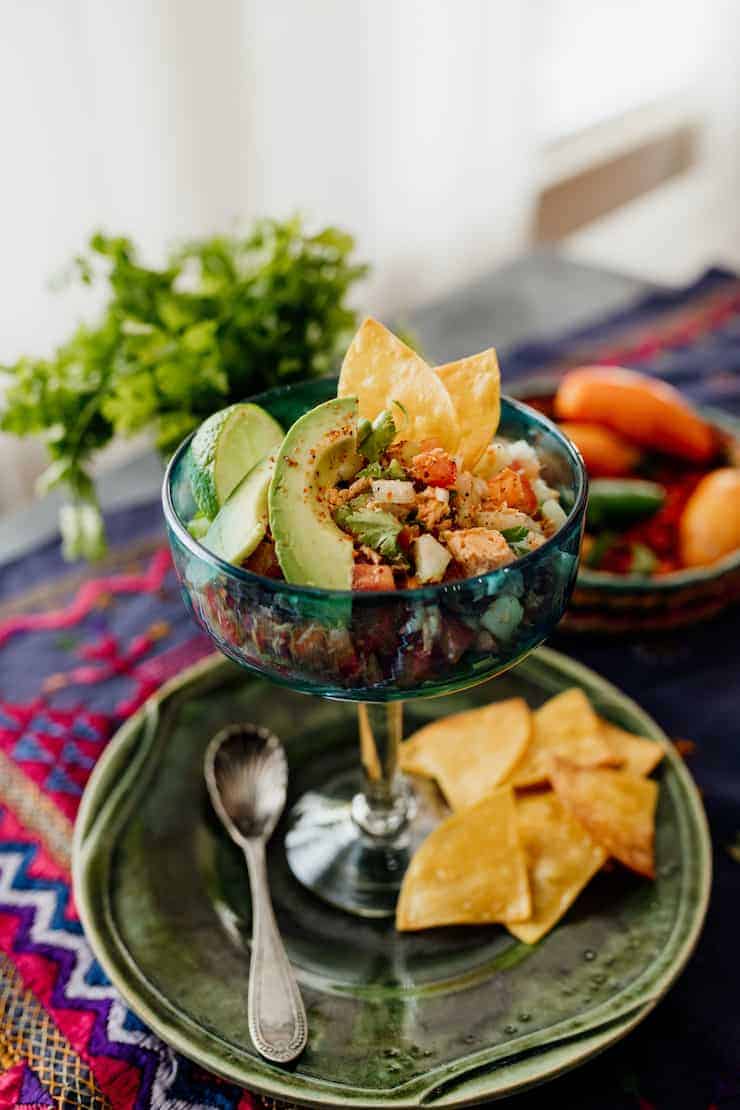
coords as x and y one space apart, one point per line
620 502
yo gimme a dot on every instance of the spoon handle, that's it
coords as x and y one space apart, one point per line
275 1011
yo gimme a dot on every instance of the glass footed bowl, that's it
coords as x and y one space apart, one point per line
350 840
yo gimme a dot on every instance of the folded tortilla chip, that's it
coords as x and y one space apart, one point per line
383 373
474 384
615 807
470 753
469 871
564 726
561 859
636 754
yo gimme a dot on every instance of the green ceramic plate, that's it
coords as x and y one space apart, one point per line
447 1018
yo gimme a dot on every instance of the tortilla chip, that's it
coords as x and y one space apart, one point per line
561 859
471 753
568 727
469 871
474 384
636 754
379 370
615 807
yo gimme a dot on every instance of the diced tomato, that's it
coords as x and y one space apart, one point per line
365 576
375 630
405 537
660 531
434 467
309 644
455 638
512 488
263 560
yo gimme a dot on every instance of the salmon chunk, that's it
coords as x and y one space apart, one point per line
478 550
368 577
513 488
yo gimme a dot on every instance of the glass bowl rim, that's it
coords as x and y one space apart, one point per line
422 593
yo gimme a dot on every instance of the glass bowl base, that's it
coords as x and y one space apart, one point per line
331 854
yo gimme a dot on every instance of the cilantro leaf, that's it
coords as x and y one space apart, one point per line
344 511
377 529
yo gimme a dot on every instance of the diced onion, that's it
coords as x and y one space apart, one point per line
430 558
543 492
525 455
499 455
393 491
502 618
553 512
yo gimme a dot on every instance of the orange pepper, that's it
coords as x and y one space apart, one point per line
605 454
643 410
710 523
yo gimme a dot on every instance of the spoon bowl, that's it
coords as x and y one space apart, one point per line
247 777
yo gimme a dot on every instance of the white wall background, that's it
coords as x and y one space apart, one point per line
654 60
418 124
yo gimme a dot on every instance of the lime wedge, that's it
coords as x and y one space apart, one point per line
198 526
225 448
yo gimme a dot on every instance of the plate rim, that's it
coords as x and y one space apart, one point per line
464 1090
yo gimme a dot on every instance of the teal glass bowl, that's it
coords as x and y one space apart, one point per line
376 647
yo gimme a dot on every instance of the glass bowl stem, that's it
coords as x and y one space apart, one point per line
385 804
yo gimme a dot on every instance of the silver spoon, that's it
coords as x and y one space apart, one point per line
246 773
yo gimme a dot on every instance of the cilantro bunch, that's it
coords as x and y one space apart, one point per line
225 318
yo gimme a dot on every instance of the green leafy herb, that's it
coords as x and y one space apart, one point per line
516 534
224 318
380 437
81 527
377 529
342 514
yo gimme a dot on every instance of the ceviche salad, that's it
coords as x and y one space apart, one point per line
398 482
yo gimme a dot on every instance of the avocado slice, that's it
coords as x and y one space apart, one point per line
311 549
241 523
